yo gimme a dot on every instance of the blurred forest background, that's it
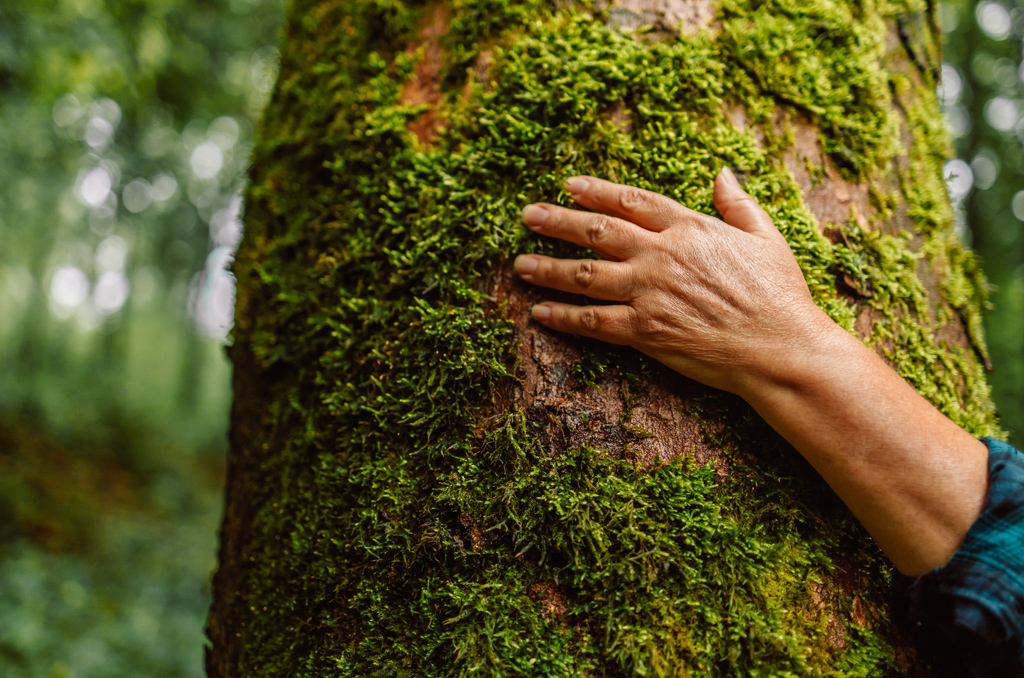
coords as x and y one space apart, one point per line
124 134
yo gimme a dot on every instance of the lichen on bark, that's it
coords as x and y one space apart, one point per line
424 483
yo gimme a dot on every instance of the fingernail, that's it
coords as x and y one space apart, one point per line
729 177
575 185
541 312
526 264
534 215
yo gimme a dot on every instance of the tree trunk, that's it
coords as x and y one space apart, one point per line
423 482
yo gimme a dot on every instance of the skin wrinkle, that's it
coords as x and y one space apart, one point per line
726 303
585 274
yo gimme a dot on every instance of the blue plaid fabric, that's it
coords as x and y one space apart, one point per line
969 614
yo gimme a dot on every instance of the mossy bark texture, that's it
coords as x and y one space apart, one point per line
422 482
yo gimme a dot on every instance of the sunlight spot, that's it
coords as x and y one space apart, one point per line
1005 72
951 85
263 69
226 224
68 289
207 160
959 120
102 220
224 131
985 169
164 187
111 254
993 19
108 110
94 186
212 297
959 178
137 196
1001 113
111 292
67 110
1018 205
98 132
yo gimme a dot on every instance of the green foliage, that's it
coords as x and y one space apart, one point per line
107 369
827 70
101 572
123 92
407 520
983 97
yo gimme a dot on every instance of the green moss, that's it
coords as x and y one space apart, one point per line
821 59
408 521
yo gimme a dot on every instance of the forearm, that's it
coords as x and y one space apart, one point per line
915 479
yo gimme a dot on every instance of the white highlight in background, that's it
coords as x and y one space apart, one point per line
137 196
212 297
1001 113
111 292
207 160
94 186
111 254
69 288
226 224
959 179
994 19
951 86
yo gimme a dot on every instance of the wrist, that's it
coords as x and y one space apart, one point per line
796 361
914 479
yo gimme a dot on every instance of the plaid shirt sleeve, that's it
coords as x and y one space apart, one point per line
969 614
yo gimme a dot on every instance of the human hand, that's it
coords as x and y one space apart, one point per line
722 302
725 303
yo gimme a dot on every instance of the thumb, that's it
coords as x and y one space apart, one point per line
738 208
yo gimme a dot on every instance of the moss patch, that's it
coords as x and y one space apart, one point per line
406 519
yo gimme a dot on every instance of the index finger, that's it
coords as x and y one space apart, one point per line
648 209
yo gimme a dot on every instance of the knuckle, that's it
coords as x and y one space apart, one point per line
584 274
597 230
633 199
590 320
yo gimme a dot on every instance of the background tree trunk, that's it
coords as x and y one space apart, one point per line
422 482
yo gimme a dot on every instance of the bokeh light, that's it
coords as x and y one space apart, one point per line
111 292
207 160
994 19
124 137
94 186
69 288
137 196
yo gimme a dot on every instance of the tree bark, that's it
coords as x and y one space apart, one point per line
423 482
